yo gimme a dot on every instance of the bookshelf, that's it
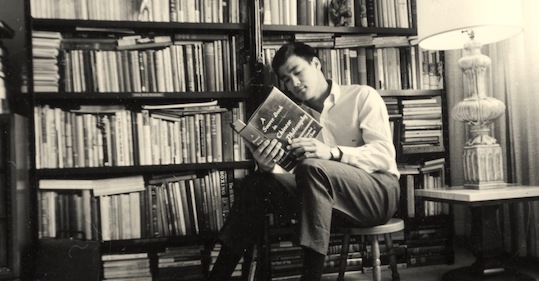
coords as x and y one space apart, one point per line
377 48
129 115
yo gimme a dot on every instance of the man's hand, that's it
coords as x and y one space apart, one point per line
304 148
267 154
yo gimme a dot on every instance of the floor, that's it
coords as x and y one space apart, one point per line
432 273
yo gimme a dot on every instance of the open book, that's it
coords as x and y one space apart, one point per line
278 117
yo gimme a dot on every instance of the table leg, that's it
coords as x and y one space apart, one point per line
488 249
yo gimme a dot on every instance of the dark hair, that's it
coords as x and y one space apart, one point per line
289 49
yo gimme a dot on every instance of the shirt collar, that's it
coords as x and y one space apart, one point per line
334 93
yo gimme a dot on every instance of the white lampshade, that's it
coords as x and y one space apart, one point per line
440 22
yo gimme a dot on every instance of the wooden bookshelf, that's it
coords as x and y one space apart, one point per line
184 202
419 86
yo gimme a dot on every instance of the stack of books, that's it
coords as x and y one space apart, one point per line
422 124
180 263
286 259
45 50
427 243
132 266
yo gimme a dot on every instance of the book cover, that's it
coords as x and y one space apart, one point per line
278 117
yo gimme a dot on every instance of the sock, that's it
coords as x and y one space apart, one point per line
224 265
313 263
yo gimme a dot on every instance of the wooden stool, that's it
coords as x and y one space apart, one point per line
393 225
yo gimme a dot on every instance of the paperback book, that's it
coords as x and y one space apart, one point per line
278 117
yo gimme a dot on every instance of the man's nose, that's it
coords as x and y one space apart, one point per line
295 81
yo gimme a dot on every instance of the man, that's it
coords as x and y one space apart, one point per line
348 172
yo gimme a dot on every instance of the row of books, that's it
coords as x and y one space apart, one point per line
428 175
211 11
192 204
96 136
359 13
187 63
384 68
71 209
165 206
286 257
302 12
408 68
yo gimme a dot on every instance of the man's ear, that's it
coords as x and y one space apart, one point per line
316 62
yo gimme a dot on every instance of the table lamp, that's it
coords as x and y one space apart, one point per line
455 24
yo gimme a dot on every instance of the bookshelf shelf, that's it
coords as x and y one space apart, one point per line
340 30
132 26
147 244
120 97
410 93
130 170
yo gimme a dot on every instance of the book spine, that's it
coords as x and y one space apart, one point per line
302 12
321 12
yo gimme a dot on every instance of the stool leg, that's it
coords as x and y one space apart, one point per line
376 270
392 258
344 255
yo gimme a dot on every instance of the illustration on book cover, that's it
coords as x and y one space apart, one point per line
278 117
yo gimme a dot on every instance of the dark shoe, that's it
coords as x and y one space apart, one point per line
313 263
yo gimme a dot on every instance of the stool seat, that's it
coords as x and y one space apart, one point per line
392 226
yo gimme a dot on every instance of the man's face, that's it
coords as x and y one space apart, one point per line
301 77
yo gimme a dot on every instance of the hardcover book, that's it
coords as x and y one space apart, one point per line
278 117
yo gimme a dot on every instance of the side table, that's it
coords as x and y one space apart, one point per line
486 234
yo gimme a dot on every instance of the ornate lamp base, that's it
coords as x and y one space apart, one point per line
483 166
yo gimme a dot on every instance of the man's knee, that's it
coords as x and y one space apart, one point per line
312 177
310 167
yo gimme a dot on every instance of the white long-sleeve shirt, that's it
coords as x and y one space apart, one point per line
355 119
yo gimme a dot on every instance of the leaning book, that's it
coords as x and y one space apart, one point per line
278 117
